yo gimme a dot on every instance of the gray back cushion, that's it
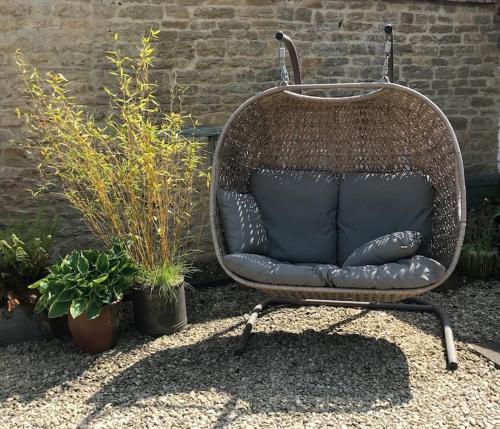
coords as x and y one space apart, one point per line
299 211
243 228
372 205
388 248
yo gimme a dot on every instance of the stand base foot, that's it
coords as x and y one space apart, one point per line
414 305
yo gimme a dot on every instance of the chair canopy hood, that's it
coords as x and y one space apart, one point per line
387 128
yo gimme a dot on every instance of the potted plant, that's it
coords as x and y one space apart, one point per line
88 286
159 302
133 176
479 252
24 258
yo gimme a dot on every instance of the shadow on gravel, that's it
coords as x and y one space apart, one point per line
220 302
67 363
280 372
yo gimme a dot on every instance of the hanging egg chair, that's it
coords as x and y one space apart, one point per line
307 177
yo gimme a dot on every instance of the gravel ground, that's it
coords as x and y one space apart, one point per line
307 367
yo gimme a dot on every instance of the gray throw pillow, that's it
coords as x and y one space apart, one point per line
373 204
299 212
243 229
388 248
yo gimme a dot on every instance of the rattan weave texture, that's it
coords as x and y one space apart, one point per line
388 128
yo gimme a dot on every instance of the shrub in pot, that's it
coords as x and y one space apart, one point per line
479 253
477 262
133 176
88 286
159 301
24 258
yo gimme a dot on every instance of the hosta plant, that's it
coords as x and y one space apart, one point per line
84 282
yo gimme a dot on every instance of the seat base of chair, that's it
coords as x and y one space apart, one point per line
412 304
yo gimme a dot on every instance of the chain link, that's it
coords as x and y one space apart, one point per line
285 78
387 54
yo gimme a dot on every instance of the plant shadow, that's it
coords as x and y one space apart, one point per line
67 363
280 372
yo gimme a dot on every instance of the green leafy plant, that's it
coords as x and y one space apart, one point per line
482 228
24 258
132 176
84 282
479 252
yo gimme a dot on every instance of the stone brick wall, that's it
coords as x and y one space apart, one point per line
225 51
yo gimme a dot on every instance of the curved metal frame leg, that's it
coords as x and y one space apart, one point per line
247 330
449 342
413 305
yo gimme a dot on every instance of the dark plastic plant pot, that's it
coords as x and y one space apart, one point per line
59 328
480 265
155 316
99 334
21 324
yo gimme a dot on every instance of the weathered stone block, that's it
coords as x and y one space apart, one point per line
417 72
141 12
303 14
407 18
458 123
424 19
15 8
482 123
214 12
483 18
481 102
260 2
175 11
211 48
412 28
285 13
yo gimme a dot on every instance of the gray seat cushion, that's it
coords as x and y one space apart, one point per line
388 248
271 271
373 205
299 212
405 274
243 228
411 273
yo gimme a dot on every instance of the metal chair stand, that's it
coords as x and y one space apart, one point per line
412 304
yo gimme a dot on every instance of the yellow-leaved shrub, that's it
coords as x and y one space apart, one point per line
132 176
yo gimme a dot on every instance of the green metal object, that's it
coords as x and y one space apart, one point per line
210 133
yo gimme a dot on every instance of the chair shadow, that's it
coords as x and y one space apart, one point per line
338 371
222 302
63 355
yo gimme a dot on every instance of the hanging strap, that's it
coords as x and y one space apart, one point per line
388 69
285 78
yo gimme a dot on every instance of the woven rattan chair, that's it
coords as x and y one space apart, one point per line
385 127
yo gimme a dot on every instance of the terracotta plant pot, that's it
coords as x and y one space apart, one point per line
154 316
99 334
